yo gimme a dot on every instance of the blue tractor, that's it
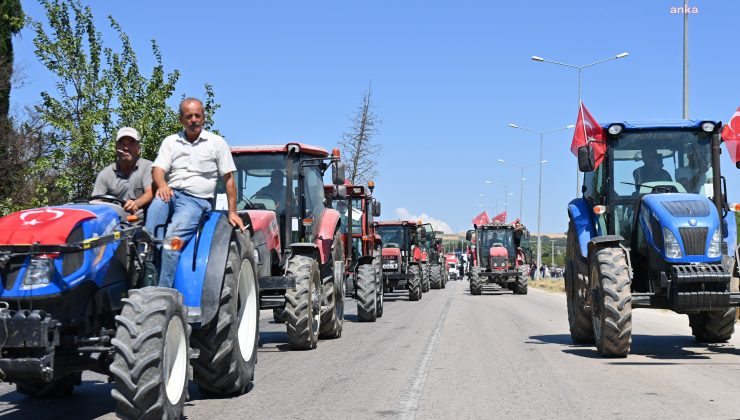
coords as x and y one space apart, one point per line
78 294
650 231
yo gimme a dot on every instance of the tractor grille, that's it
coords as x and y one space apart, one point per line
694 240
687 208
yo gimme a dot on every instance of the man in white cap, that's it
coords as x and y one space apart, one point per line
130 178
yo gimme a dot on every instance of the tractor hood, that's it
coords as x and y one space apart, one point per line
391 252
681 227
498 251
59 225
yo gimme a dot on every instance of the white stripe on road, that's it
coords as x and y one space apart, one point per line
411 399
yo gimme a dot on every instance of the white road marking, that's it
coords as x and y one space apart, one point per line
411 399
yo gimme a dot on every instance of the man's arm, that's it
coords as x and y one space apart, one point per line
132 206
163 190
234 218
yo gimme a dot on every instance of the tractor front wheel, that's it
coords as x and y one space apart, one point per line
612 310
150 365
435 277
713 326
476 282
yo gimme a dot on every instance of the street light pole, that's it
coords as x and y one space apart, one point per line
686 60
552 252
580 68
522 179
539 194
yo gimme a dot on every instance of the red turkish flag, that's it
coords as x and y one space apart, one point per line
47 226
501 218
481 219
731 136
588 131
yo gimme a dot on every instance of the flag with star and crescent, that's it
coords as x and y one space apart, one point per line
731 136
588 131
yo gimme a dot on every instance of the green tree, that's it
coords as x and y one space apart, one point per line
98 90
11 22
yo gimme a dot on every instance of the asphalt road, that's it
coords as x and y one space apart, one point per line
453 356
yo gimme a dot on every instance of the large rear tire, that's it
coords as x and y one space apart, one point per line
612 313
228 344
520 285
303 304
577 292
476 282
332 296
435 277
378 271
414 282
367 303
713 326
150 365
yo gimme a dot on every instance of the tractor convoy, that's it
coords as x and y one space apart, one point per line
80 280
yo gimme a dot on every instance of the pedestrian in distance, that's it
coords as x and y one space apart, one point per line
185 173
130 177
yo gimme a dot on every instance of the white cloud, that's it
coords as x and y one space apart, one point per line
404 214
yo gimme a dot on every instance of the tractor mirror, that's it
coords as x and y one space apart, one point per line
469 235
376 208
586 162
341 192
337 175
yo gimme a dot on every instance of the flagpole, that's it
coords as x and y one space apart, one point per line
685 59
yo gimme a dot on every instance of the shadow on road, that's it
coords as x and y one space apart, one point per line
90 400
659 347
492 290
395 296
273 337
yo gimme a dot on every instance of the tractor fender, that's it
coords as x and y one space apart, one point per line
305 248
200 280
607 241
580 213
365 259
329 224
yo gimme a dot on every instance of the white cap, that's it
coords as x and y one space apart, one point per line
128 132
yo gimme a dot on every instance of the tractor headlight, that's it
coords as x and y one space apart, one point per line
715 245
615 129
38 273
672 248
708 127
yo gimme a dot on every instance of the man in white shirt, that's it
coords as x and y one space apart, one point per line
193 159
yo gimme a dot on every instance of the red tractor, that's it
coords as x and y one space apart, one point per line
402 256
298 249
501 252
362 246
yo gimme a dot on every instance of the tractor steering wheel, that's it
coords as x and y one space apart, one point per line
109 199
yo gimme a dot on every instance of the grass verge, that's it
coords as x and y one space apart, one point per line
549 285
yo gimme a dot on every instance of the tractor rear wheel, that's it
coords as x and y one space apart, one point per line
303 304
332 296
378 275
612 310
577 292
367 303
150 365
414 282
476 282
713 326
425 278
520 286
435 277
228 344
445 276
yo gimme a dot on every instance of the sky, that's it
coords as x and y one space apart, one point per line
448 77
